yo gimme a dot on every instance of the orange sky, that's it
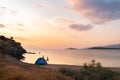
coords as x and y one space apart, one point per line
44 24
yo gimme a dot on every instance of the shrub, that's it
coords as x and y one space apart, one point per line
91 71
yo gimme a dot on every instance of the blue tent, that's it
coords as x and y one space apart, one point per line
41 61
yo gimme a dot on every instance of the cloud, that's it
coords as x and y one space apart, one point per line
3 0
33 47
16 24
67 8
20 24
61 21
81 27
40 5
2 9
14 12
98 11
71 24
21 38
2 26
20 29
44 5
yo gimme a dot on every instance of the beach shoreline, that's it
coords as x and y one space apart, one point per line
57 67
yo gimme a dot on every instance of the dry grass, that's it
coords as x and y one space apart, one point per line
14 73
11 69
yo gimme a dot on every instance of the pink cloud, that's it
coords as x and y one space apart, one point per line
2 9
61 21
81 27
44 5
67 8
98 11
14 12
2 26
5 10
71 24
20 24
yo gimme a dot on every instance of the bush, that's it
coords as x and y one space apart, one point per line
67 72
92 71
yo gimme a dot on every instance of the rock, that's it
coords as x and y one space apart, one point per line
11 47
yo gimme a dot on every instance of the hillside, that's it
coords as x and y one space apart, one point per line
10 47
11 68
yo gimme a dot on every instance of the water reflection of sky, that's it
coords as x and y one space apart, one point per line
109 58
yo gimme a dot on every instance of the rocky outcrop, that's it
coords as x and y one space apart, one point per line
11 47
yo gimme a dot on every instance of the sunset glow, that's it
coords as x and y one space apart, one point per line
59 24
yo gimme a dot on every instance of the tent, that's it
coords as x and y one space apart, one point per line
41 61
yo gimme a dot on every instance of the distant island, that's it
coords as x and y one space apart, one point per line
71 49
110 47
106 47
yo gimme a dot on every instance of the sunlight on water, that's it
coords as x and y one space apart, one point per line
108 58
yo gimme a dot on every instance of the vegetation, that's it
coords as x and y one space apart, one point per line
13 69
17 73
92 71
14 73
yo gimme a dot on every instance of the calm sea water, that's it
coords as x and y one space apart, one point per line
108 58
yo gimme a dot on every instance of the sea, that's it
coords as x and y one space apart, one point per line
108 58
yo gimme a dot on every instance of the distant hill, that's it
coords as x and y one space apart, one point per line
71 49
113 46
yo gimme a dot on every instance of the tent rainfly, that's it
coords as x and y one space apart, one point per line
41 61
